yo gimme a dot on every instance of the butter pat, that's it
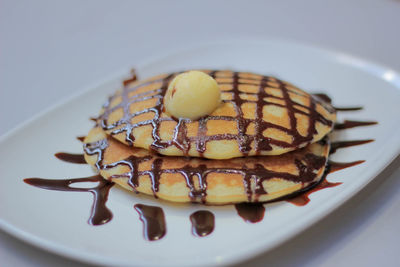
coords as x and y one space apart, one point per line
192 95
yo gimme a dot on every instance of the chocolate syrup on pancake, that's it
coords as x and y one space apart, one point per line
202 223
182 141
72 158
153 219
250 212
100 214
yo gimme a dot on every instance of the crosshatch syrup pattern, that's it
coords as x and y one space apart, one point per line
270 91
308 166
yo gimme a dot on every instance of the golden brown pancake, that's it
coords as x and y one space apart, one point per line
184 179
259 115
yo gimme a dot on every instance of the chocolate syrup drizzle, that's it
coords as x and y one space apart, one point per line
183 142
327 99
250 212
99 214
203 223
72 158
132 79
303 198
153 219
351 124
81 138
337 166
348 108
342 144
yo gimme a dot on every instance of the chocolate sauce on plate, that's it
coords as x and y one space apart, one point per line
303 199
327 99
72 158
100 214
250 212
153 219
342 144
348 108
132 79
202 223
337 166
351 124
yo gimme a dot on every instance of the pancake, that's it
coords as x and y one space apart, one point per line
184 179
259 115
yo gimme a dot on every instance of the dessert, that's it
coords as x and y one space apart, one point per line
214 154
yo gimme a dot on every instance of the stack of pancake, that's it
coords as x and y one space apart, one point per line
266 140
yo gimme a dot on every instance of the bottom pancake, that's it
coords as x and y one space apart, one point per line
184 179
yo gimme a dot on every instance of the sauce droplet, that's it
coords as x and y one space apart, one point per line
153 219
202 223
251 212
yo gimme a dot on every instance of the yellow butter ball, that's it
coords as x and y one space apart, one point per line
192 95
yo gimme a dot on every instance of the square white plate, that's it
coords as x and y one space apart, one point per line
57 221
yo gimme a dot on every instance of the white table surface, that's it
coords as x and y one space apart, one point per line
50 50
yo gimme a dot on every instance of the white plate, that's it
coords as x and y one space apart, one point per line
56 221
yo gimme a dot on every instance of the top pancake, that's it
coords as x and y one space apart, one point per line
259 115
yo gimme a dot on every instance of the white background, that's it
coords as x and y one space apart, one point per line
50 50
